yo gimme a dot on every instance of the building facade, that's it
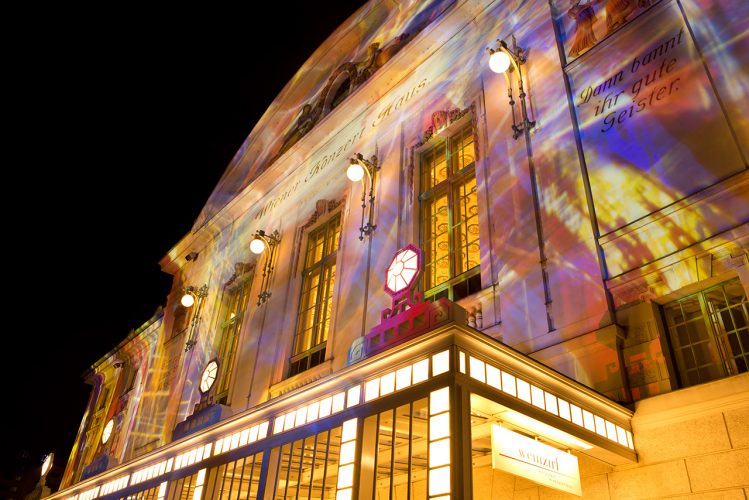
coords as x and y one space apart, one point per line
537 289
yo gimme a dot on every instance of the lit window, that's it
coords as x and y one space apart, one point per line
449 218
316 302
709 333
234 307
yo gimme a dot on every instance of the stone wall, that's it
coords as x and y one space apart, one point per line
692 443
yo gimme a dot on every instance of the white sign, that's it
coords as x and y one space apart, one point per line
541 463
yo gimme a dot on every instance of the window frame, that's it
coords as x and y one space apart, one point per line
715 339
226 364
450 185
292 359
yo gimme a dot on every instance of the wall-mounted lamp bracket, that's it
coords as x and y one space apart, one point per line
359 168
265 243
505 59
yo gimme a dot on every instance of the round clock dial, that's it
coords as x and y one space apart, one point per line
209 376
402 271
107 431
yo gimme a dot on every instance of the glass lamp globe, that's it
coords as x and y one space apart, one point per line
188 300
257 246
355 172
499 61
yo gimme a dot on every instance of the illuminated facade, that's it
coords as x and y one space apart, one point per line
577 323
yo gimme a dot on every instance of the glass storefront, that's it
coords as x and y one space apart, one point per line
413 426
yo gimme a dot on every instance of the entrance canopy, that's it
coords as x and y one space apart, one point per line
432 402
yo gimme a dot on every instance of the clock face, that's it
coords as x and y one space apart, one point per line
209 376
403 270
107 431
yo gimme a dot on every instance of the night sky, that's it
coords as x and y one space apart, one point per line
120 128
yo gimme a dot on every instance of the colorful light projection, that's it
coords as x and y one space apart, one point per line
367 41
585 23
652 128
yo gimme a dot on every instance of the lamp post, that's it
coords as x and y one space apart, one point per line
357 170
265 243
191 295
510 60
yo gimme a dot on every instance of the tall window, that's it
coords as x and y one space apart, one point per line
709 333
315 305
449 218
235 305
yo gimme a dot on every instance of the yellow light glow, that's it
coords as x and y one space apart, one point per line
312 411
325 405
257 246
339 402
439 481
346 476
347 452
439 401
477 369
508 384
353 397
440 363
577 415
403 378
493 377
439 453
201 477
289 421
551 403
343 494
198 493
387 384
188 300
372 390
589 421
439 426
263 430
524 390
348 432
462 362
420 371
499 62
301 416
537 397
355 172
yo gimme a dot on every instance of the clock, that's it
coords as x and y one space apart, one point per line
107 431
208 377
403 270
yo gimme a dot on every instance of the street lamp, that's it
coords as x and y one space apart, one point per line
191 295
265 243
509 60
357 170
